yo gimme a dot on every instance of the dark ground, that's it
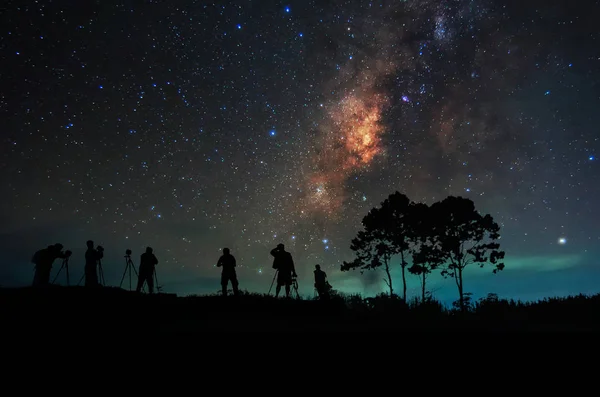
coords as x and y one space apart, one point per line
107 309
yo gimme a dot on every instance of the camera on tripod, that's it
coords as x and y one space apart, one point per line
127 253
100 248
65 265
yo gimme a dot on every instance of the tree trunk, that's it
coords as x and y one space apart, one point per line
460 289
403 277
423 285
387 270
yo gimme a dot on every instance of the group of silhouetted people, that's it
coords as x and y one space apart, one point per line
283 263
44 259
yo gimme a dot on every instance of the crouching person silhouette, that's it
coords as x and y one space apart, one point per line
147 263
227 262
321 284
43 260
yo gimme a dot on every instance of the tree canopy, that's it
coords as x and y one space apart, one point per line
449 235
466 237
385 235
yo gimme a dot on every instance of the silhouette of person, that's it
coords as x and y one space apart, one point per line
284 264
147 263
92 256
43 260
227 262
321 283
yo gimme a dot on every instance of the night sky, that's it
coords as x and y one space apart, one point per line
189 126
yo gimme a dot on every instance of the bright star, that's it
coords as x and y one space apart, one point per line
562 240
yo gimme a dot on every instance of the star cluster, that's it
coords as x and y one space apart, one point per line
189 126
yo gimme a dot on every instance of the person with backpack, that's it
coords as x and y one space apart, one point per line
321 284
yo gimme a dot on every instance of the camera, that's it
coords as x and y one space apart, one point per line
100 248
128 253
68 253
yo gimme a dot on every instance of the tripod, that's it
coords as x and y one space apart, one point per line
295 287
158 287
276 271
128 266
294 284
100 275
65 265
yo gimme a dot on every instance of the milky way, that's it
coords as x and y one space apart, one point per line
190 126
350 141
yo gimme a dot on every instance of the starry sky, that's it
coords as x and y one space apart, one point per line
189 126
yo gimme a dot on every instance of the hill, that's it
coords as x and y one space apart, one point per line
107 309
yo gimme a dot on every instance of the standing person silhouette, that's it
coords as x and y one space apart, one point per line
147 263
92 256
227 262
284 264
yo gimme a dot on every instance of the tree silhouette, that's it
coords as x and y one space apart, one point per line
393 220
371 253
427 254
465 237
386 234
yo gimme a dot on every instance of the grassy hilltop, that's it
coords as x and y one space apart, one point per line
76 309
